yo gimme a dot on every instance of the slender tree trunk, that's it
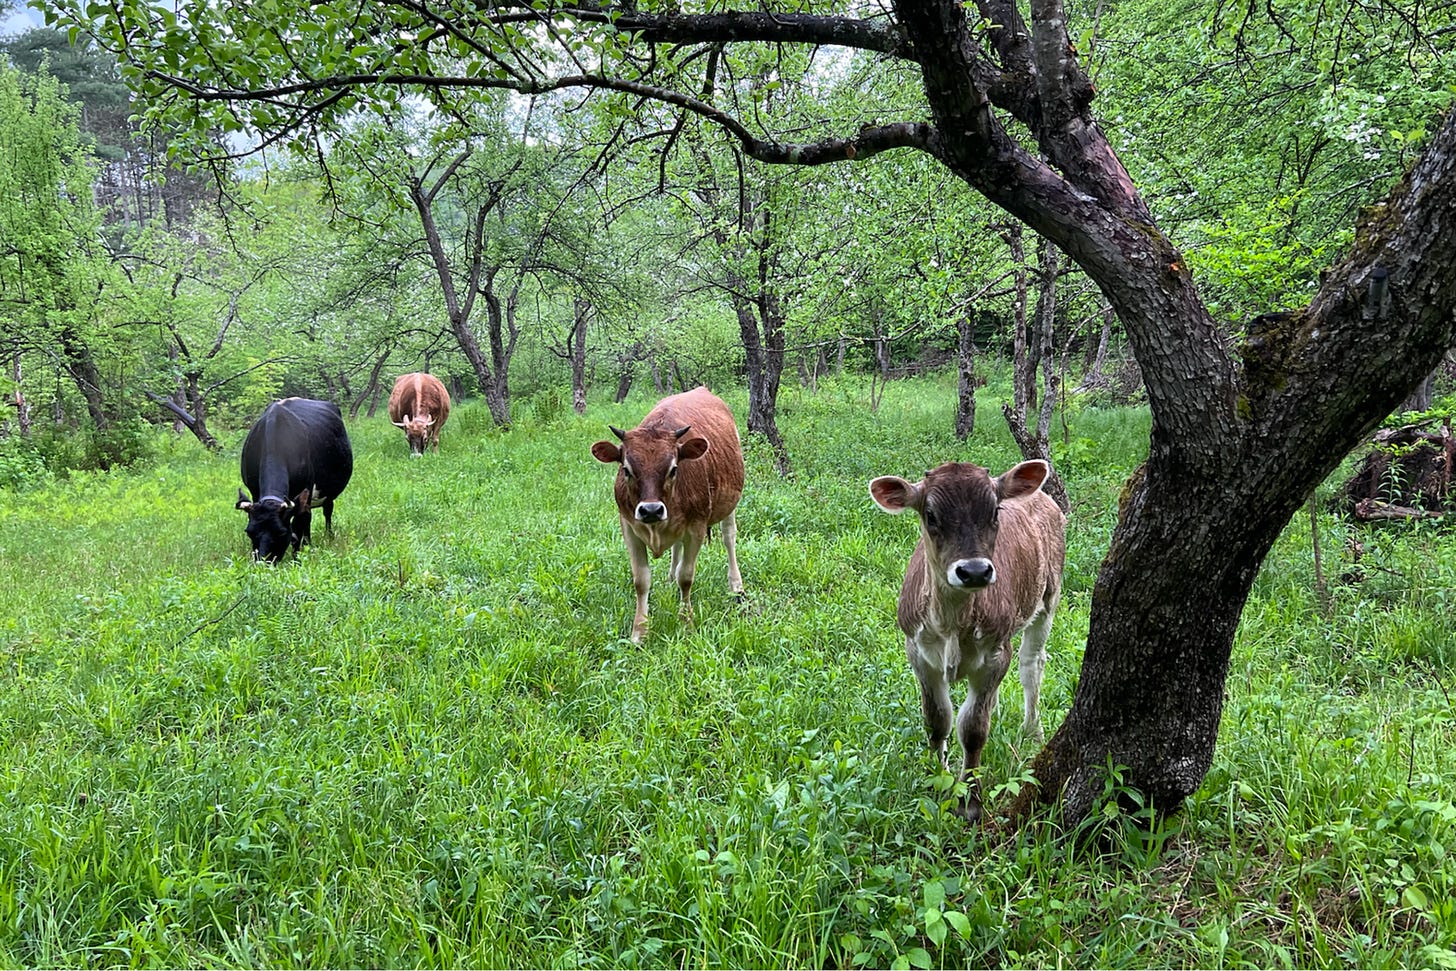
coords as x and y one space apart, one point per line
1092 367
81 365
22 407
371 389
1034 349
763 358
581 310
628 359
1420 398
965 417
460 301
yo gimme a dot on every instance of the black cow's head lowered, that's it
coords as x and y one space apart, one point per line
275 524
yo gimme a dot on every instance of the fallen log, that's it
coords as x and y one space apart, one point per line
1373 510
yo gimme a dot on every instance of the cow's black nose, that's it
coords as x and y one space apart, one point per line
651 512
977 572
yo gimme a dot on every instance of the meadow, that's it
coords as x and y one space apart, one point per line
428 742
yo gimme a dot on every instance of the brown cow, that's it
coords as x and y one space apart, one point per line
988 565
672 486
419 404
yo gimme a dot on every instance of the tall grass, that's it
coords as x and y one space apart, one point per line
428 742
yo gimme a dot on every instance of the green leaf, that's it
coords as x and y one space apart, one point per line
1414 898
935 927
934 895
960 922
919 957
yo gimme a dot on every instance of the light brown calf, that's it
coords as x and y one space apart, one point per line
419 404
988 566
680 472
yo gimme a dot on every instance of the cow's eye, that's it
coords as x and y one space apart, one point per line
930 519
627 471
672 472
995 515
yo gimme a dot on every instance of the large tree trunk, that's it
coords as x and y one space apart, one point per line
1190 539
1234 451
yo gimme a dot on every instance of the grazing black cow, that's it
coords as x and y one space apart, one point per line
296 456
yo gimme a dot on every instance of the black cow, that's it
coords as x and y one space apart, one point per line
296 456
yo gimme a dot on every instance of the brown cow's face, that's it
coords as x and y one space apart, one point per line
649 460
272 523
959 507
416 433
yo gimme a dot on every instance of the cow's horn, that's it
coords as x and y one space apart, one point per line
621 435
397 424
430 422
681 431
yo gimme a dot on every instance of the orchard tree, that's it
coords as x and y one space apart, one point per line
1241 433
51 265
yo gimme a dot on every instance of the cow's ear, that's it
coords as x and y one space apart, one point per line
244 503
894 494
693 448
303 500
1022 480
607 452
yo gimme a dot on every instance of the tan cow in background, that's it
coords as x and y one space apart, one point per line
680 472
419 404
988 566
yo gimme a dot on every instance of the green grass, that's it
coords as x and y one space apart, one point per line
428 742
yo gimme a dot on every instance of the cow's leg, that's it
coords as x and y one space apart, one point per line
641 580
302 520
687 565
729 527
1031 663
973 726
927 661
676 561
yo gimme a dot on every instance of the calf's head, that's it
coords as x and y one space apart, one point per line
273 523
959 508
649 460
416 432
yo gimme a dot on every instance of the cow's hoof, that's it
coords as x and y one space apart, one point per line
969 810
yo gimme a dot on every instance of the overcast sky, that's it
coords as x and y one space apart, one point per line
20 19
